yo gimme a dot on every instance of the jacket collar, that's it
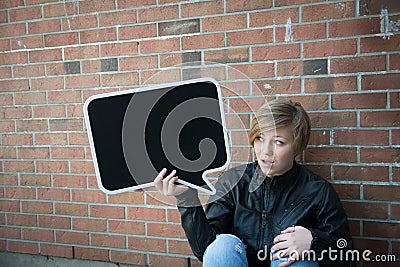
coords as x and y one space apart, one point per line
259 177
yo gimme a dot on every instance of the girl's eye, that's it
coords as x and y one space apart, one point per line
278 142
259 138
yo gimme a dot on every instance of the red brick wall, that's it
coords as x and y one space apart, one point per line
338 58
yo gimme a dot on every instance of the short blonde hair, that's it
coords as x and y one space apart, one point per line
279 113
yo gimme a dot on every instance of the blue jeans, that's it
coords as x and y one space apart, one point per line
229 251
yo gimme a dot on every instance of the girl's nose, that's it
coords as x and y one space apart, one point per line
268 148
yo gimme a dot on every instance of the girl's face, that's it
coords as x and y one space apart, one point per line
275 151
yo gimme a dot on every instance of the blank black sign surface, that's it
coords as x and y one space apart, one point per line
134 134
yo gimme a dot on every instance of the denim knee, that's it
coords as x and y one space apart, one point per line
226 250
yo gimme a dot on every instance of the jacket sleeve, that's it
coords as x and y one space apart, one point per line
201 229
332 233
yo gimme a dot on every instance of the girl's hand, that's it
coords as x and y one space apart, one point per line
167 186
292 242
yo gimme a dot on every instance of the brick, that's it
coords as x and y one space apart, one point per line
290 68
22 247
23 14
386 155
28 71
380 118
319 137
5 73
378 44
52 166
19 166
165 261
126 227
330 84
274 17
82 167
231 55
14 3
105 240
82 81
381 192
198 9
158 46
358 64
120 17
333 119
91 196
6 152
179 247
80 52
33 153
44 26
137 32
329 11
347 191
203 41
147 244
59 9
158 13
359 101
48 112
135 197
10 205
315 67
377 229
394 61
127 257
45 55
119 49
71 181
79 22
179 27
266 87
165 230
17 139
331 154
89 6
107 211
353 27
395 211
311 103
30 98
20 193
377 246
138 63
301 32
98 35
73 67
249 37
60 39
15 112
375 7
47 83
361 137
275 52
224 23
257 70
37 207
119 79
28 42
56 250
148 214
67 237
53 194
8 30
110 64
395 100
245 104
122 4
21 219
10 232
38 235
380 81
241 5
91 254
35 180
13 58
92 225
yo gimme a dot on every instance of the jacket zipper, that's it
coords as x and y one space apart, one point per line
263 219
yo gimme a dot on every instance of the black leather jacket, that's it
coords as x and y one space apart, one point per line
258 208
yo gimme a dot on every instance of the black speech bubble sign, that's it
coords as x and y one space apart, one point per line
133 134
